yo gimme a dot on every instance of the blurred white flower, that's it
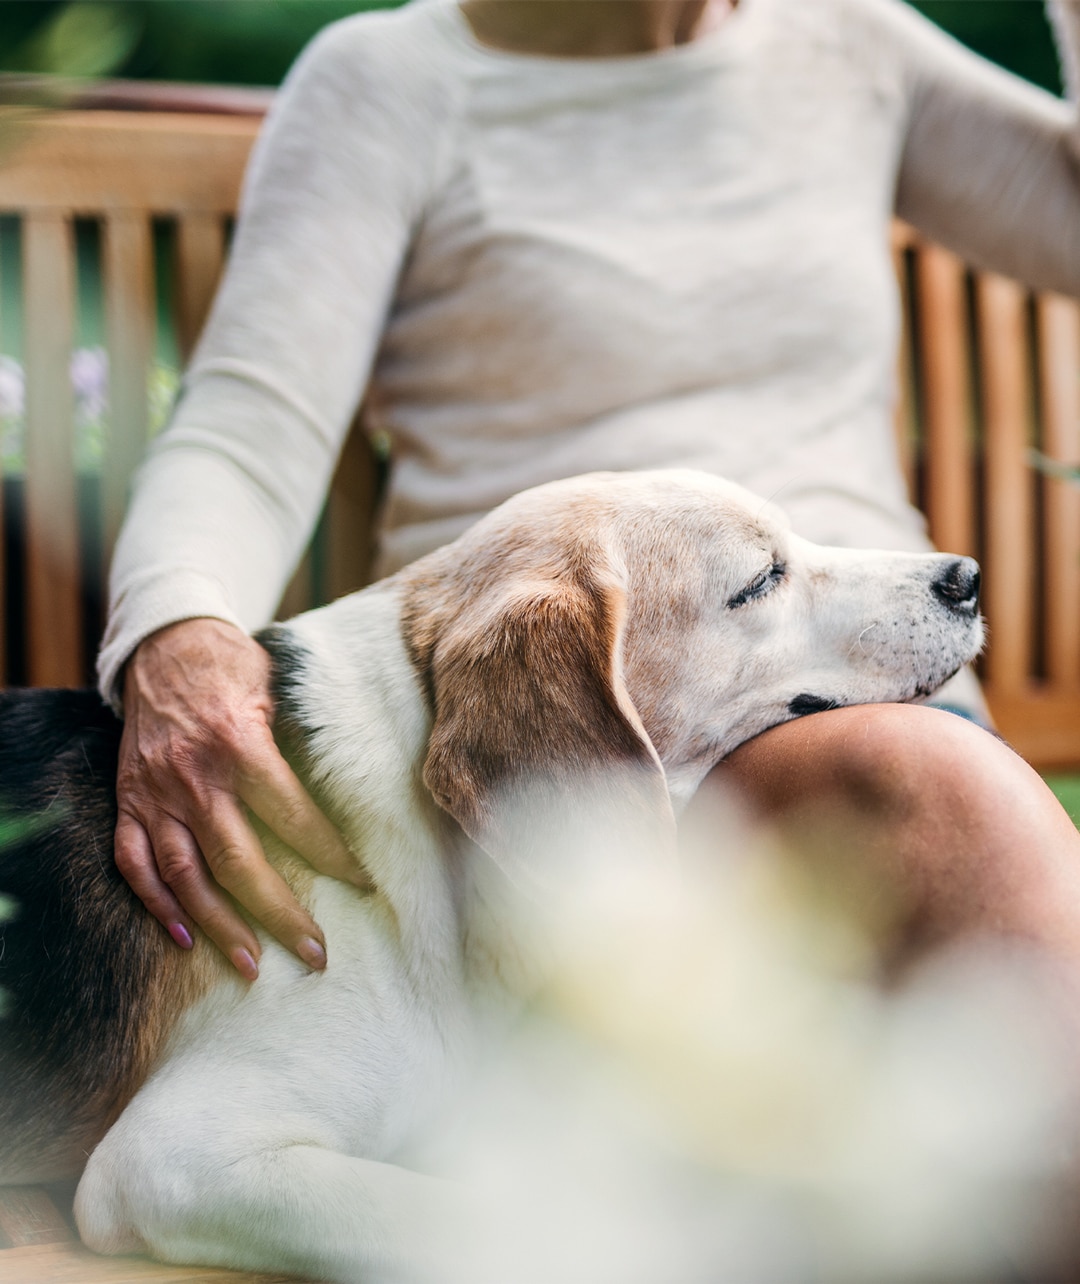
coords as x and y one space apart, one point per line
713 1086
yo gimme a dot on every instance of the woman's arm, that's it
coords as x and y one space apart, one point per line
991 165
227 500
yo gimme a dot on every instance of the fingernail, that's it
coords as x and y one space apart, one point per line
181 935
312 953
244 963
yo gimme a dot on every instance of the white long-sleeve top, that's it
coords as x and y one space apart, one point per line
538 267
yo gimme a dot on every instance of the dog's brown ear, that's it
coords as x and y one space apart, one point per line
537 750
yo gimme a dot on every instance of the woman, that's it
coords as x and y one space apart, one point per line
558 235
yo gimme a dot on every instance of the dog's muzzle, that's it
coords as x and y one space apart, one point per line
958 586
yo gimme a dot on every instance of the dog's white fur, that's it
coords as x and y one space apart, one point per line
267 1136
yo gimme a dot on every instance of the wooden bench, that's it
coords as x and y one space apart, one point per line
987 371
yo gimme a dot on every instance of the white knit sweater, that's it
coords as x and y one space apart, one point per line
538 267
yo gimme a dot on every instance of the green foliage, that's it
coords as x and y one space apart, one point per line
16 829
1014 33
86 39
1067 789
13 829
1054 468
82 39
248 42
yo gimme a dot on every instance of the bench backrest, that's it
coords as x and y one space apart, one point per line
987 371
990 373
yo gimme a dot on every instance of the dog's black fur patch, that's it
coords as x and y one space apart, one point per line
807 703
289 663
69 1013
82 964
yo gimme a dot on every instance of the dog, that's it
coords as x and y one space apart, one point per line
604 640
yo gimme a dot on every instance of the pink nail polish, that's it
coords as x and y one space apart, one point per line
244 963
181 935
312 953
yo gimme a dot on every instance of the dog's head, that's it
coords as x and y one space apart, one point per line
616 635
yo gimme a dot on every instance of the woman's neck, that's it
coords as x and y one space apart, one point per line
592 28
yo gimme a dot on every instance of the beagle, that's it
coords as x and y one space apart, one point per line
593 646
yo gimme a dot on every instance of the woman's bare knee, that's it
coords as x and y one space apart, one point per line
963 830
873 757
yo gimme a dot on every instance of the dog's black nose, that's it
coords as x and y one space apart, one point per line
958 585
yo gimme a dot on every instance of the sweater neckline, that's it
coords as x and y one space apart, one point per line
721 43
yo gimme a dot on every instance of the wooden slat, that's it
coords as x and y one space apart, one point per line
200 256
301 594
1009 546
1043 726
1058 328
904 414
350 509
944 363
89 162
52 548
128 278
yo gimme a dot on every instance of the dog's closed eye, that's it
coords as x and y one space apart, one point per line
759 585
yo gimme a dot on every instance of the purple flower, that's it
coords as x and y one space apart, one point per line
90 383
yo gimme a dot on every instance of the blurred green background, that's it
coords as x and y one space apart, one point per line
252 42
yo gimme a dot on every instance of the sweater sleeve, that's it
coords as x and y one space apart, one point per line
227 499
991 164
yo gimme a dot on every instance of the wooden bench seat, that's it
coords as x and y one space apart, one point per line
38 1245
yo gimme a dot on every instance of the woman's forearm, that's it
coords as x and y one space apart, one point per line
217 521
222 509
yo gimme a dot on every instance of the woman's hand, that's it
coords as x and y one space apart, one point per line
197 751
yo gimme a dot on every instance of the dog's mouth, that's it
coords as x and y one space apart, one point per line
807 702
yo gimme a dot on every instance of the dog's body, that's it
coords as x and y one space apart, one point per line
607 640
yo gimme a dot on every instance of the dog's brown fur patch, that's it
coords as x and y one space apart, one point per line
523 671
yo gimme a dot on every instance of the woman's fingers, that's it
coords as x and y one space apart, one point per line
198 746
135 861
163 865
184 840
275 794
235 859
